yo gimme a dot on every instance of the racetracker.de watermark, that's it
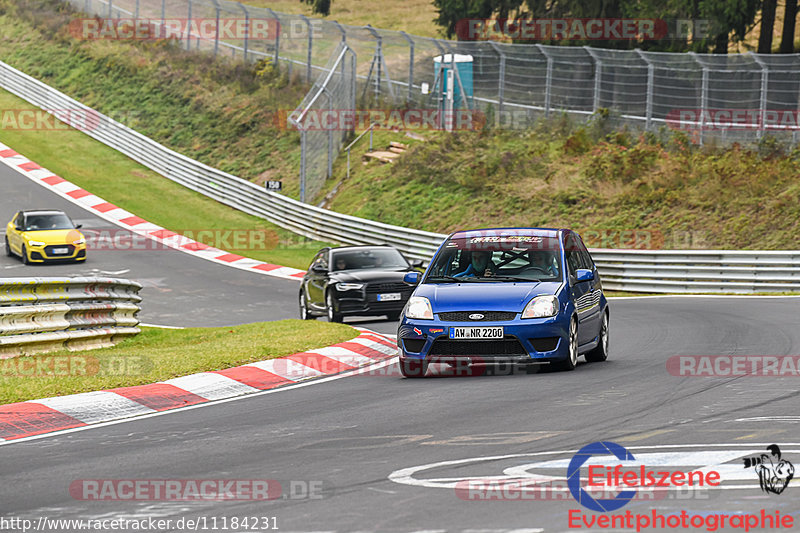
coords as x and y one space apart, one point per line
581 29
186 490
49 119
383 119
734 119
122 240
725 366
48 366
141 29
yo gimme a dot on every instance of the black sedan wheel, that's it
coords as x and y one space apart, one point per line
333 316
304 314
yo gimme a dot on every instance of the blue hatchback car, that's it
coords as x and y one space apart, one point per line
518 295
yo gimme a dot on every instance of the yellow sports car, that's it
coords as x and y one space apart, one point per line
44 236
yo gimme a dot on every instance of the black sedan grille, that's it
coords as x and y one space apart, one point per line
388 287
488 316
498 347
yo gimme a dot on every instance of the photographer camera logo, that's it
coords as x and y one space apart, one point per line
774 473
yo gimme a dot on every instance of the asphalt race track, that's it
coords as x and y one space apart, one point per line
179 289
376 452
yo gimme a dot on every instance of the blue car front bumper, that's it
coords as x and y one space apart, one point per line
536 340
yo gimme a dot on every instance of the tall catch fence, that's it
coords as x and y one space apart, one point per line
724 98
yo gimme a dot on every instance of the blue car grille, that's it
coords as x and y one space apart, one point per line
488 316
498 347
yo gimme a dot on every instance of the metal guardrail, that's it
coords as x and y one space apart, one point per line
44 314
627 270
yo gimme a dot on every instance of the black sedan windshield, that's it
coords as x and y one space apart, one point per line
507 259
48 222
381 258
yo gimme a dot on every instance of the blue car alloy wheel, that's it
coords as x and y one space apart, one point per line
526 296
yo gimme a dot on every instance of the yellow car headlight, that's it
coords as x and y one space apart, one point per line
36 243
79 242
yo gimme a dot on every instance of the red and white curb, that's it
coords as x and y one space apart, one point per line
135 224
36 417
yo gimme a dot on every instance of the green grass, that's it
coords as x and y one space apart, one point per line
161 354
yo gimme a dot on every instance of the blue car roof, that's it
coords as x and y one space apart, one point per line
539 232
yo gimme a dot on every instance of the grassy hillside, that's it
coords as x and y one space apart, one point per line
662 189
217 112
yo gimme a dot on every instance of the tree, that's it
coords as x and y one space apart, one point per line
767 26
452 13
320 7
789 20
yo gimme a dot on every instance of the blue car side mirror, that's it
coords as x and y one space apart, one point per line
584 274
412 278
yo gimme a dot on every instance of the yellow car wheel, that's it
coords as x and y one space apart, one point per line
8 248
25 260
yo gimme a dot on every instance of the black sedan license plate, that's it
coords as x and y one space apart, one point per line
476 333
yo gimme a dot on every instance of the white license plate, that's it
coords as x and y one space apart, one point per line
60 251
476 333
389 297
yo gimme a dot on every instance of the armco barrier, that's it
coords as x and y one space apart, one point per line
628 270
43 314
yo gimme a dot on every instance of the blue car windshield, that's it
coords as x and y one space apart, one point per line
513 258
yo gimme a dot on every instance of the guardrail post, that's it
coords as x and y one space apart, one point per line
310 46
411 45
649 102
277 35
703 96
598 77
246 29
764 88
548 82
501 78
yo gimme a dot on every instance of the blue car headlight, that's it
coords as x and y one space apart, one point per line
348 286
419 307
541 307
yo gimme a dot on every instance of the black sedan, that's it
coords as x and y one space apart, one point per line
356 281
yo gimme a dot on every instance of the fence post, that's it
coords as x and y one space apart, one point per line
410 65
189 26
136 11
246 29
341 30
163 18
648 113
703 96
216 27
87 7
277 34
764 87
310 45
548 83
501 79
111 9
330 134
303 155
598 77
